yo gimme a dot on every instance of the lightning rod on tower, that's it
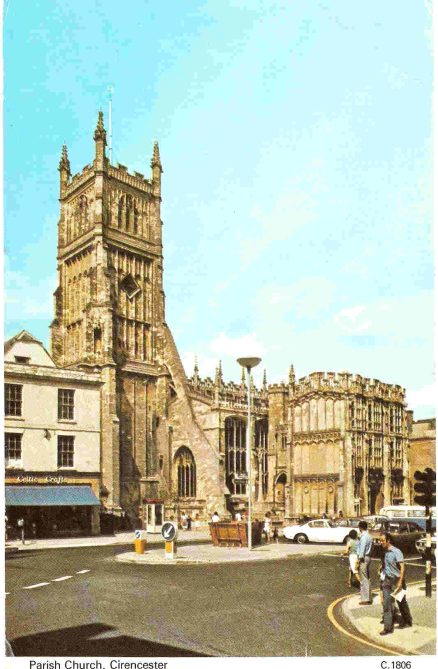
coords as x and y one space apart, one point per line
110 123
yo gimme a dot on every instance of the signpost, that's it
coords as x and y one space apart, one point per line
426 496
169 532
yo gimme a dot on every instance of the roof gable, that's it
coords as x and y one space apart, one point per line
31 350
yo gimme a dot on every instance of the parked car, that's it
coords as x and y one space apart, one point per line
320 531
421 522
403 534
420 545
352 523
374 519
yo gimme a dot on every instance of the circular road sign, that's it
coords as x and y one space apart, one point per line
169 531
138 534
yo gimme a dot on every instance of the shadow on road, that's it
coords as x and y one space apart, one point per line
93 640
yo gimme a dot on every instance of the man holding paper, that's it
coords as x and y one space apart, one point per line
393 586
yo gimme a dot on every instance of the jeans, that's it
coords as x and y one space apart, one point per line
388 586
364 574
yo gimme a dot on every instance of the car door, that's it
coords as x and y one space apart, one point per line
316 530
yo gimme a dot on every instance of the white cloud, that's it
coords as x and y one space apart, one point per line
423 398
353 319
392 317
207 365
245 345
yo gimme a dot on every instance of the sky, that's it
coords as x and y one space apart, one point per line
296 145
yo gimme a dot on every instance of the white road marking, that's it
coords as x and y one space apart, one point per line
83 571
37 585
62 578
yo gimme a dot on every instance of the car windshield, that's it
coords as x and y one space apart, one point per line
331 523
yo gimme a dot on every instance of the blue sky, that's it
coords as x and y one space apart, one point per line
297 188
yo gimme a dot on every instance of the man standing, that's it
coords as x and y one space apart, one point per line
393 583
364 556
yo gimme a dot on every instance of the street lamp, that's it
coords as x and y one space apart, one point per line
248 364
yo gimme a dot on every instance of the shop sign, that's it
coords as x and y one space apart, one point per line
52 479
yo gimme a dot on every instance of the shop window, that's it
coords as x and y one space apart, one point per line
66 404
13 449
13 399
66 447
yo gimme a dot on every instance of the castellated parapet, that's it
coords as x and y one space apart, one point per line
344 382
229 395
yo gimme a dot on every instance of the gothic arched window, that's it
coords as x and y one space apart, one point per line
235 449
261 446
186 472
121 211
83 215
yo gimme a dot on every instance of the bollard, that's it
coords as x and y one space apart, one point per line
170 549
140 546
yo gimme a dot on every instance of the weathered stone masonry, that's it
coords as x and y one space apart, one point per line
323 443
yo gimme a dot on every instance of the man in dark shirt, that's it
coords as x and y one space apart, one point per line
393 583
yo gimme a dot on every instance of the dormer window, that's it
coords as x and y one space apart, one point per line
130 286
22 359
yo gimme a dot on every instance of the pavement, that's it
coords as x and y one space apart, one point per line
203 534
420 639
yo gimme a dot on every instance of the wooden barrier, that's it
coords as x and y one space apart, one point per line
234 533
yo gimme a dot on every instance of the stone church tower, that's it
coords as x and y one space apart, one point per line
110 316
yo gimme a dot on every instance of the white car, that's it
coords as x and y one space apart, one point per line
322 531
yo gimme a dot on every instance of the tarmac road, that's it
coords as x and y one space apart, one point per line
81 602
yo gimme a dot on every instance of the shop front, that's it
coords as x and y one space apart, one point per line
52 511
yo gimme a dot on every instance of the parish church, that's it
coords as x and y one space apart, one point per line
320 444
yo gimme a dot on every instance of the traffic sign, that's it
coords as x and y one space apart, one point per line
138 534
169 531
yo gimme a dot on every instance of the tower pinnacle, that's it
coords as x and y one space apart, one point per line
156 160
100 132
64 163
218 377
291 375
196 370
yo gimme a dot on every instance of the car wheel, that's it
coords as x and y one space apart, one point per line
345 539
301 539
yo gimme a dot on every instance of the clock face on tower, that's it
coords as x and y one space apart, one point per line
130 286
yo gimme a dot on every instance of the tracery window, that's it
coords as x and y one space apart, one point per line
235 449
186 472
261 447
83 214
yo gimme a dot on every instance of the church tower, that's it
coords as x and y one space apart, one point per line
110 317
109 306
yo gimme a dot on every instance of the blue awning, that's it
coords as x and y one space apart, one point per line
47 495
